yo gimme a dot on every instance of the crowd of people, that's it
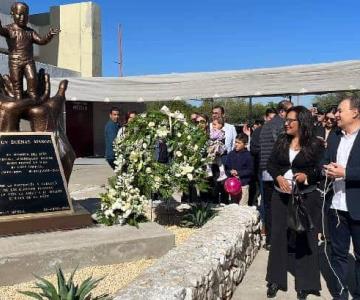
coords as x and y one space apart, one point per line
293 154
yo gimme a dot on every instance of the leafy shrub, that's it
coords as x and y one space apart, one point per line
198 215
66 290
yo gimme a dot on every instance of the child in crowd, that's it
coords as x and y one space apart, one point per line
217 148
239 163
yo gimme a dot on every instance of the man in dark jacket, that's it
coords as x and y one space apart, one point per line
342 164
111 129
255 152
268 136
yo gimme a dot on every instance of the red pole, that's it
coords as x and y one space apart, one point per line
120 50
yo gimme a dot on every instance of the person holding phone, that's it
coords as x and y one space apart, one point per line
342 165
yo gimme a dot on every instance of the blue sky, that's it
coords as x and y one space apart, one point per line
198 35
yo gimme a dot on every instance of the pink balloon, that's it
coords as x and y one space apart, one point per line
232 186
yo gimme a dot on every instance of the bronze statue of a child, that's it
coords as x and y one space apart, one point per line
20 39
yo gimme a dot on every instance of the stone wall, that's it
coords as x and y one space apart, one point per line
208 265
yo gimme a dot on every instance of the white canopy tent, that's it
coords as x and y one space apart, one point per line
292 80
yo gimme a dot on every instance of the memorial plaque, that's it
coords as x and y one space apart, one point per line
31 176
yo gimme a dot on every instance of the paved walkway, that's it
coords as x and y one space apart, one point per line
254 286
89 177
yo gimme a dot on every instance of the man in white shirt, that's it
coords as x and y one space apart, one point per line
230 135
343 166
230 131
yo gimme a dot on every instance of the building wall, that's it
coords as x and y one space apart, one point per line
5 6
47 54
78 47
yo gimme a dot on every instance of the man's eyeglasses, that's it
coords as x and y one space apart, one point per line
288 120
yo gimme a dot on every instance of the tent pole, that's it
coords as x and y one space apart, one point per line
250 115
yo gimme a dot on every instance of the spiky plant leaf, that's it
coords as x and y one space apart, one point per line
71 293
47 287
89 287
66 290
198 215
71 278
83 285
62 287
31 294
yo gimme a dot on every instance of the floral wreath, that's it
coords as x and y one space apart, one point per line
147 140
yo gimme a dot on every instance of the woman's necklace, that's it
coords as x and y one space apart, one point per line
295 146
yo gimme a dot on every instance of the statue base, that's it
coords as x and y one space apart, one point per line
50 221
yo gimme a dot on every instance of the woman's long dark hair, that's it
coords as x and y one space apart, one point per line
309 143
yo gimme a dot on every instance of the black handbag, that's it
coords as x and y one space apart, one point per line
299 220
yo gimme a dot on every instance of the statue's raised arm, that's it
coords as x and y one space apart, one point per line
47 38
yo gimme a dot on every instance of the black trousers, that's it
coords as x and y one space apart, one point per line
342 227
302 256
268 189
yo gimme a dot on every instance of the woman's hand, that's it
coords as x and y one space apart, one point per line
283 184
246 130
300 177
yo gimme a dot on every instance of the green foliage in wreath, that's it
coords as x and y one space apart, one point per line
139 172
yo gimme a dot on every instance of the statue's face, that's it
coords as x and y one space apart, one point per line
20 14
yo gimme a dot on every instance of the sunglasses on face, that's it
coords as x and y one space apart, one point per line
201 122
330 119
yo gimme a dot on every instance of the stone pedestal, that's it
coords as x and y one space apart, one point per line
41 222
33 189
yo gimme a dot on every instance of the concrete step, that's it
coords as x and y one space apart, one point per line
22 256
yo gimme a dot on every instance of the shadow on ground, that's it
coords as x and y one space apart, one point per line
90 204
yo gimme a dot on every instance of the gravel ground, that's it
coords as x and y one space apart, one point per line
181 234
116 276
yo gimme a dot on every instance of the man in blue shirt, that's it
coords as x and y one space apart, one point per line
111 129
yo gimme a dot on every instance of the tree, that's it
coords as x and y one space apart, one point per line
236 109
326 102
179 105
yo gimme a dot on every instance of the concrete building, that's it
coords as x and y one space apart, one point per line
78 46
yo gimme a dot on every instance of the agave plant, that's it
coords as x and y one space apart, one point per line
198 215
66 290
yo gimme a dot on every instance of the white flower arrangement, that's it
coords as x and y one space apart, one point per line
139 174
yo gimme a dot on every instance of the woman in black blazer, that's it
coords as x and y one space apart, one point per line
295 158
